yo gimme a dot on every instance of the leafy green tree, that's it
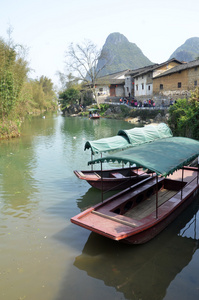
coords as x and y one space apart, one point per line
69 97
184 116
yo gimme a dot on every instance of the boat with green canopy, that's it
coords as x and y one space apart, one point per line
140 212
120 178
93 113
129 138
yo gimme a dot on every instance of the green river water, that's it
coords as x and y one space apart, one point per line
43 256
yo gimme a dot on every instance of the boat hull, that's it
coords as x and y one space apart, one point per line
114 179
93 118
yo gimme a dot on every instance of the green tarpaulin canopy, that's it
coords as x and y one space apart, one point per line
162 156
113 143
147 134
129 138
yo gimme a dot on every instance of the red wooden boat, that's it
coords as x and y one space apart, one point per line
93 113
94 116
113 179
140 212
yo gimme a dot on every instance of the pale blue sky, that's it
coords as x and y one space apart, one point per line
47 27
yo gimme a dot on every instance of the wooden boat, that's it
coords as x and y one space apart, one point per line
140 212
94 116
93 113
121 178
112 179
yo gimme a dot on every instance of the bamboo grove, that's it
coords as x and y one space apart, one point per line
20 95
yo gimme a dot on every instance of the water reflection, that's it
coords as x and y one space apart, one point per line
17 184
92 130
92 197
144 271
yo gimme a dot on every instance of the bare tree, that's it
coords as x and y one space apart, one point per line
82 60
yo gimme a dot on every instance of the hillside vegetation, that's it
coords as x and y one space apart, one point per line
121 55
189 51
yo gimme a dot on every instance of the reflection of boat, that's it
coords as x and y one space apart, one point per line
140 212
121 178
145 271
113 179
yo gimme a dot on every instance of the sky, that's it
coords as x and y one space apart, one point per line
48 27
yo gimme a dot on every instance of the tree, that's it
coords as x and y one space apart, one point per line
82 61
184 116
68 81
69 97
13 72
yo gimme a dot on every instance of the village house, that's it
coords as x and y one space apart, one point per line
160 82
177 82
111 85
140 81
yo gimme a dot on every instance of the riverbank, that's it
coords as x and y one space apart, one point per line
138 115
9 129
145 115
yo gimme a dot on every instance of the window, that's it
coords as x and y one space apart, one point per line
149 87
136 87
161 86
142 86
179 85
195 82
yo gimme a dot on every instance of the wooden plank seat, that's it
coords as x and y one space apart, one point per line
88 176
117 175
80 173
139 172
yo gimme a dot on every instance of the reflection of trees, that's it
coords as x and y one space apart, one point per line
38 126
17 183
94 129
144 271
18 162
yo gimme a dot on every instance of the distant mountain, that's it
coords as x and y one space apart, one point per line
121 55
189 51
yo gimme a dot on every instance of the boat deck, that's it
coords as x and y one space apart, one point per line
149 205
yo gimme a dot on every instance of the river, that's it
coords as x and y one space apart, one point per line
44 256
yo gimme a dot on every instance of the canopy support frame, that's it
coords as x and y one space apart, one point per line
156 196
102 192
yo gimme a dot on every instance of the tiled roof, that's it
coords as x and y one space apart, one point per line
115 78
184 66
146 69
